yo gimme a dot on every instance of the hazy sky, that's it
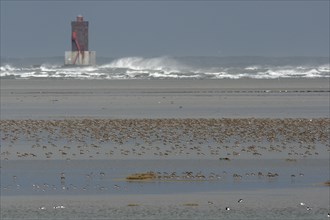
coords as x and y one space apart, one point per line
148 28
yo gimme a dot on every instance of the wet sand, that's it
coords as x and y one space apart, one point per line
71 143
259 204
45 99
98 189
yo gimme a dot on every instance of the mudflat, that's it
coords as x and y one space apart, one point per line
224 149
45 99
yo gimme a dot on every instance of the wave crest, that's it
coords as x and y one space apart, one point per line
165 64
168 68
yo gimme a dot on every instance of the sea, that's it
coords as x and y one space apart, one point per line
167 67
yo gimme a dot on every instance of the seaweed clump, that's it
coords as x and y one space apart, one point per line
141 176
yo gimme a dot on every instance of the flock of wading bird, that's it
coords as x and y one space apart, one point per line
223 139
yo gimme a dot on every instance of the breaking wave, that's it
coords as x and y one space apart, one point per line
167 68
164 64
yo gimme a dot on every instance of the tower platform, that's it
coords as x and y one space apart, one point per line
85 58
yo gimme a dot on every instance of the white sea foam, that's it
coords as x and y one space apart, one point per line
324 68
8 67
252 68
166 67
139 63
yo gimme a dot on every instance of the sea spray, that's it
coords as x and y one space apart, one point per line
166 67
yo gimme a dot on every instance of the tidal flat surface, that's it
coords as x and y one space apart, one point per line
247 138
93 189
132 99
85 177
219 149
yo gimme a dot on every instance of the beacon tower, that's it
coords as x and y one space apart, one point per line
79 54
